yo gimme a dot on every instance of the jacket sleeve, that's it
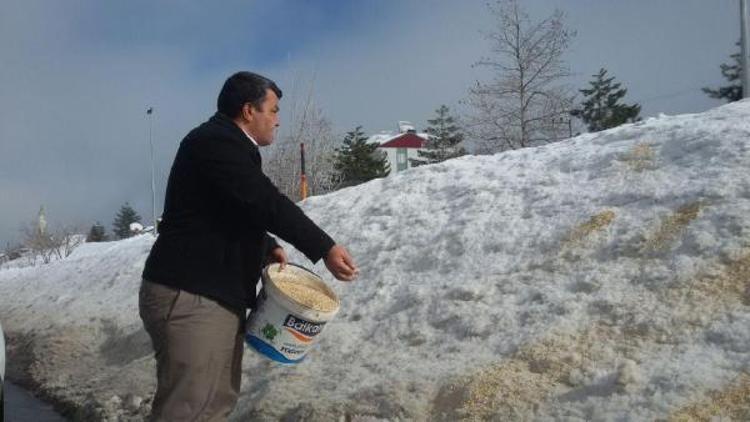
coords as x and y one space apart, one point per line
269 243
240 186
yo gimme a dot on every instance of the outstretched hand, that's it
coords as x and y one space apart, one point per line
340 264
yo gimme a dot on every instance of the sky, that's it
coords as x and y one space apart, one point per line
77 76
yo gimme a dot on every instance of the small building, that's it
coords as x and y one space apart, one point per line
400 147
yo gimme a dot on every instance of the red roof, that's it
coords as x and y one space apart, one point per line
407 140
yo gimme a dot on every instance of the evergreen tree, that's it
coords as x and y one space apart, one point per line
357 161
97 233
445 137
733 72
121 225
601 109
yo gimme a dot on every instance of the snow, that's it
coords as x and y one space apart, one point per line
386 136
382 137
599 278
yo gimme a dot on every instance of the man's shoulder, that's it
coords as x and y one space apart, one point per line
214 140
210 132
208 129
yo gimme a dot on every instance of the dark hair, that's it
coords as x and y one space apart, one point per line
241 88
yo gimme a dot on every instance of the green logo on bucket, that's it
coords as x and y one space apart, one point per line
269 331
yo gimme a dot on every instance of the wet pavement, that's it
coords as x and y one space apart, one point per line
22 406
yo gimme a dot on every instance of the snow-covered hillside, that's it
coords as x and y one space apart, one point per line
601 278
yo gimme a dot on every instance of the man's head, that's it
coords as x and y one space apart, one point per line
252 101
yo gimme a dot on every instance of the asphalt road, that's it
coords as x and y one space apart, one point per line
21 406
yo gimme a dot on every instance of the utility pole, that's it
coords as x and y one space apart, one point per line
150 113
744 41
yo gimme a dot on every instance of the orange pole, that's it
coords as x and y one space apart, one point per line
303 177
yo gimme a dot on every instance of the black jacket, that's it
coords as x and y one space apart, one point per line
218 209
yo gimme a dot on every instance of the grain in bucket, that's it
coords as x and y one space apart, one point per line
292 309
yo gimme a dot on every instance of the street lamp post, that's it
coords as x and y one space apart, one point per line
150 113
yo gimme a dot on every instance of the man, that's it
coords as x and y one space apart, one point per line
201 274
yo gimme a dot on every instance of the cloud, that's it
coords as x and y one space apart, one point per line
73 132
400 69
78 77
74 137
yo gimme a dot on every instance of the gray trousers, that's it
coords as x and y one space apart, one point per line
198 346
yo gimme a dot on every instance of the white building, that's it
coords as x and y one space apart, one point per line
400 147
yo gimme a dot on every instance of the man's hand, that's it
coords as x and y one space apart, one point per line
340 264
278 254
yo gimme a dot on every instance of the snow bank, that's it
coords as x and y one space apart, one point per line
598 278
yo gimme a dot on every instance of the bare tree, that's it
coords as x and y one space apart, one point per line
307 124
65 239
38 242
525 101
13 251
45 245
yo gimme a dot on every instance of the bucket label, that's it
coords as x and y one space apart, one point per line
303 330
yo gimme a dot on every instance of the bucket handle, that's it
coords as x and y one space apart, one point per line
265 270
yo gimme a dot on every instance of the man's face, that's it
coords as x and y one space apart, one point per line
262 123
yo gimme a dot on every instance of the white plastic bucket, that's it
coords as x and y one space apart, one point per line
281 327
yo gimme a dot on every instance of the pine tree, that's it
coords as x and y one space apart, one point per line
601 110
733 91
97 233
445 137
357 161
121 225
